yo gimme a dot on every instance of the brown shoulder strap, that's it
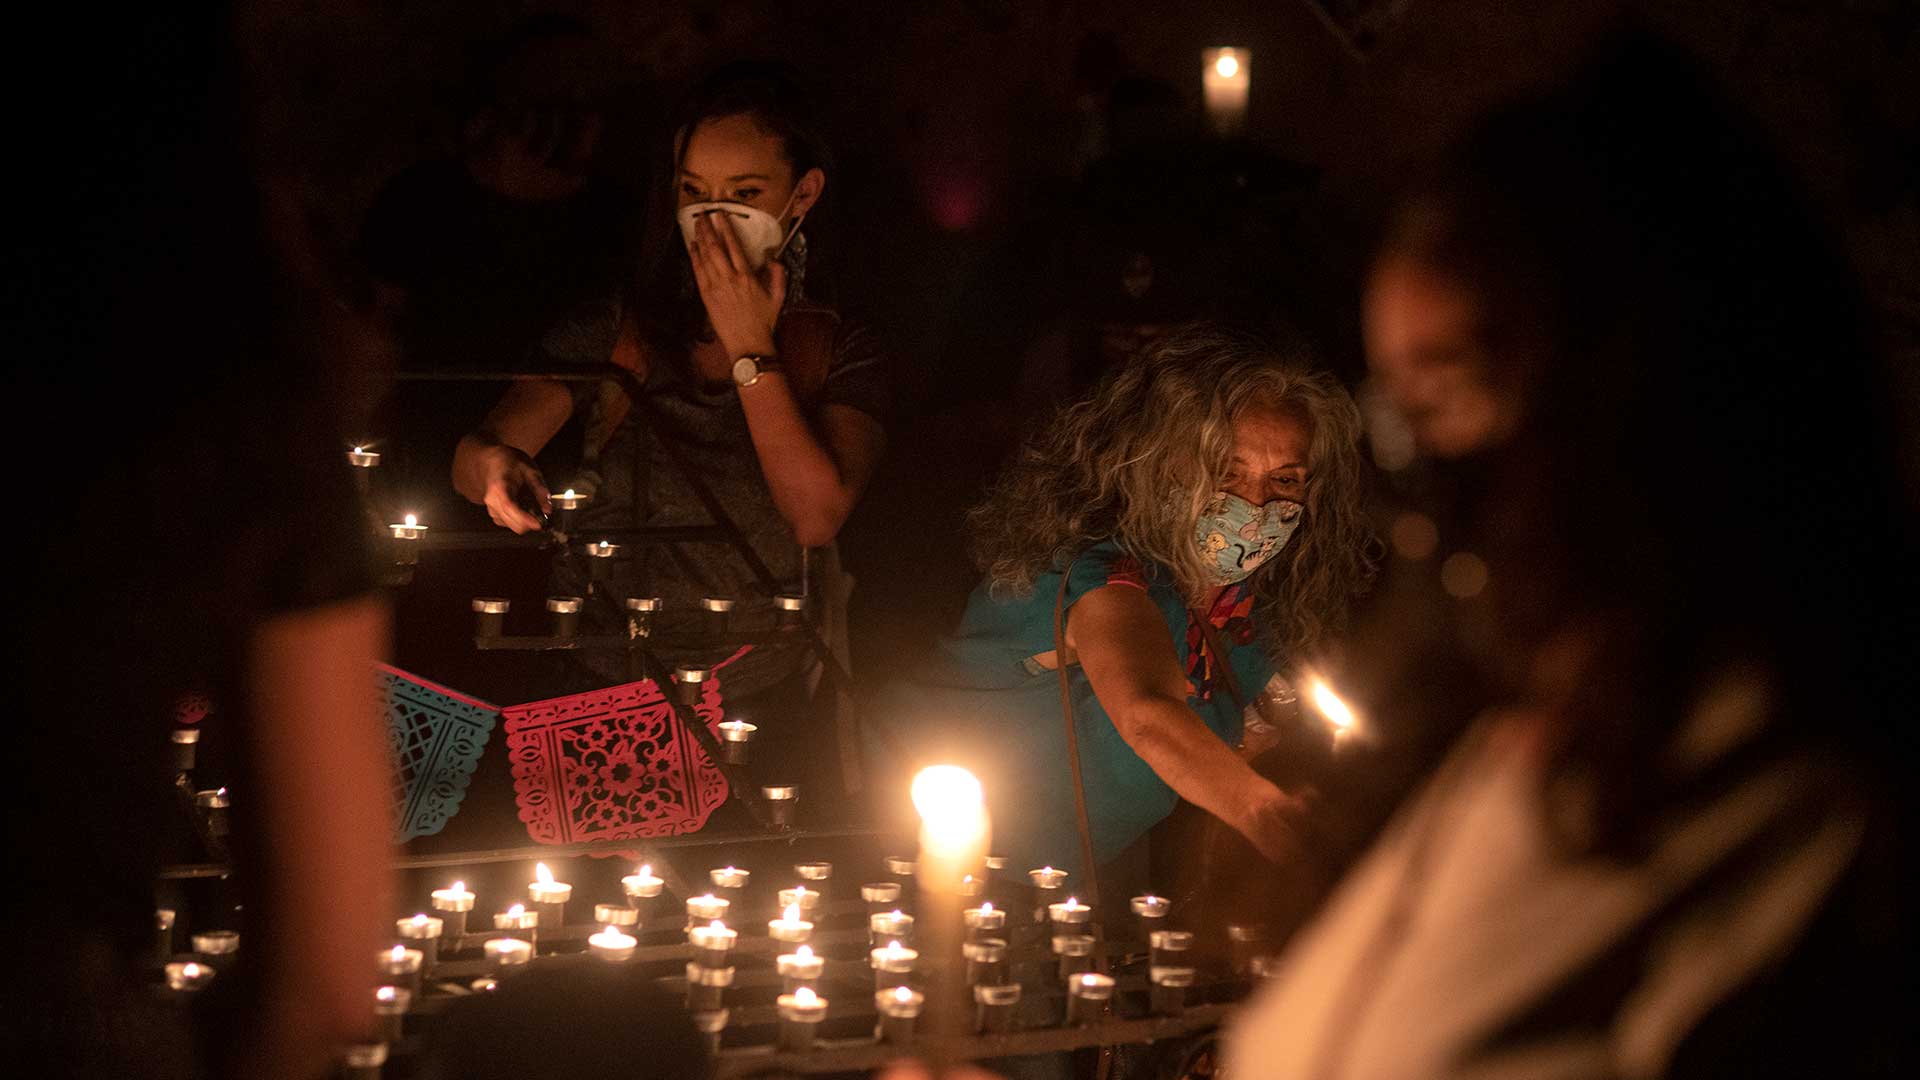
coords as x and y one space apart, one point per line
805 339
1210 640
1073 749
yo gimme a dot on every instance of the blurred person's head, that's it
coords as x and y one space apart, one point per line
1612 302
1217 456
536 109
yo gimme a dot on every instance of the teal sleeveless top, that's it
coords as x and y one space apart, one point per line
983 701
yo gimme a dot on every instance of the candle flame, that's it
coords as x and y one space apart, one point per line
385 993
190 969
541 872
893 946
1337 712
805 996
568 494
222 791
357 449
459 887
792 914
399 953
646 870
902 994
412 521
716 925
804 952
1227 66
420 920
517 910
1073 901
986 906
953 810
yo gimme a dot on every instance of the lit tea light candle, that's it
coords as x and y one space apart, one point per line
507 955
986 961
401 966
1047 883
898 1009
1170 984
612 945
422 932
971 886
188 976
565 611
362 458
729 877
490 615
1075 952
782 802
994 1007
880 895
800 1015
485 984
1151 912
1087 995
713 944
1169 947
1069 913
453 903
705 908
799 968
521 921
548 896
736 741
807 900
984 921
790 927
390 1005
707 987
565 506
407 528
601 555
642 884
214 806
891 964
889 925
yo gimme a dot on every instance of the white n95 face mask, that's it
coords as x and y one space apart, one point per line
759 233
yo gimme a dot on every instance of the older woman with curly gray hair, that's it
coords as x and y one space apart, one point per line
1171 541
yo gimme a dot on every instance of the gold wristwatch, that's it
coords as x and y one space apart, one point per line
748 369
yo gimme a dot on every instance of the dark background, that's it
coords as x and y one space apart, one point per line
956 124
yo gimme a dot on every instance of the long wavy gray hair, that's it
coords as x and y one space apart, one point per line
1138 459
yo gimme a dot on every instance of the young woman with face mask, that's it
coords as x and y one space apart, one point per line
1203 509
775 401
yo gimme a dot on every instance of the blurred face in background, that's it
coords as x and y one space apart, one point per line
1425 344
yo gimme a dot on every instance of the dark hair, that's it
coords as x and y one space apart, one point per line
771 93
1702 473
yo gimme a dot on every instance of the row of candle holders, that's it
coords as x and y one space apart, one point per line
490 612
987 949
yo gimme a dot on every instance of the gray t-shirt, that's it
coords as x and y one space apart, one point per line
707 425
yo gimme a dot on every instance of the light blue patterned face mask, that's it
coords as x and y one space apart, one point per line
1235 536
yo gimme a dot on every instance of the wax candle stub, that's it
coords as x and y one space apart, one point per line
994 1007
707 986
508 954
800 967
880 894
642 884
800 1014
729 877
615 915
188 976
781 800
612 945
790 927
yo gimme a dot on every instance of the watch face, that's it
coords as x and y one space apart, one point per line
745 371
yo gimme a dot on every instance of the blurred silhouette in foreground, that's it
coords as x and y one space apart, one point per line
1673 565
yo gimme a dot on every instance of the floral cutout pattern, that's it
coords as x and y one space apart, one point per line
612 764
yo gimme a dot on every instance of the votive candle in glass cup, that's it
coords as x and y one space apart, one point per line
899 1008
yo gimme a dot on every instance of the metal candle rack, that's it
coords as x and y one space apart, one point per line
641 639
